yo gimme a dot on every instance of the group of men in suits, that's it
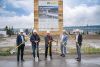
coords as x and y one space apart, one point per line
35 39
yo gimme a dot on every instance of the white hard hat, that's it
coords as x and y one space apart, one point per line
21 30
34 30
77 30
48 31
64 30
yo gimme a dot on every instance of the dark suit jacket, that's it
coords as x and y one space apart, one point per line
19 39
80 38
34 38
47 39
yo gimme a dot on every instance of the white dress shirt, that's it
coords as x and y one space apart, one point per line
22 38
76 38
61 37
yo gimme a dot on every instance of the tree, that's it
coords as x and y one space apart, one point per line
9 31
26 31
6 29
12 30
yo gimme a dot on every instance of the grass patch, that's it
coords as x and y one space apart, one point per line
84 50
5 51
91 50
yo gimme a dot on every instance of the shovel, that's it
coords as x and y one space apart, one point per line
36 57
48 56
14 49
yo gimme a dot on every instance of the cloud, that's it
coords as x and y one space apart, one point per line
73 3
22 3
19 13
11 17
18 22
81 15
6 13
20 7
26 4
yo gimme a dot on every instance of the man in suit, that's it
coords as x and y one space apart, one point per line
63 41
78 44
35 39
20 41
48 44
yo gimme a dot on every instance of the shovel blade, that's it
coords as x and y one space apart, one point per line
36 59
12 52
48 58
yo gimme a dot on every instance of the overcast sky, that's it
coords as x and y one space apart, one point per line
19 13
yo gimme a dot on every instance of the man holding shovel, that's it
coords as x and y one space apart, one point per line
48 45
35 39
21 43
78 44
63 41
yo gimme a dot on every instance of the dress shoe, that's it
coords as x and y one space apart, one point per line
61 54
78 60
23 60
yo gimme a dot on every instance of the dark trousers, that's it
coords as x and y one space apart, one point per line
46 51
20 51
35 50
78 46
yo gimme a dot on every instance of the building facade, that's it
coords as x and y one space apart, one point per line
86 29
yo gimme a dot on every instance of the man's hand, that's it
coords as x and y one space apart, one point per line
22 42
55 41
36 41
49 41
77 44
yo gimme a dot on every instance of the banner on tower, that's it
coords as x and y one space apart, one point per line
48 15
